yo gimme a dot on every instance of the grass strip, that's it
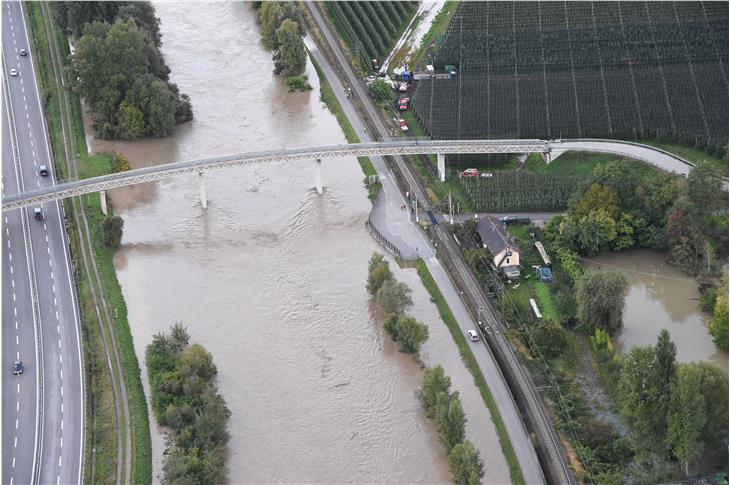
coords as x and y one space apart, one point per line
330 100
471 364
98 381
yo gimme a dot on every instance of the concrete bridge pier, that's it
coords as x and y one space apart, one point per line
318 175
441 166
203 198
102 197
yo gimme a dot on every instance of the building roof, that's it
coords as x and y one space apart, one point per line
494 235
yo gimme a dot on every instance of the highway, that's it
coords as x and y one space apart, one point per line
59 457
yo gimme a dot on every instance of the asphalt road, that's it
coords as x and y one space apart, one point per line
18 334
60 455
396 222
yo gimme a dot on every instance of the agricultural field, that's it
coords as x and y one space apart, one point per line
622 70
519 191
370 29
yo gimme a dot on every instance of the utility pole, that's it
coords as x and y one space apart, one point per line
451 211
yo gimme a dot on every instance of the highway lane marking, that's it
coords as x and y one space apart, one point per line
44 227
58 328
7 231
62 419
46 237
61 408
13 296
22 89
17 343
51 274
60 358
11 267
13 462
62 395
61 370
49 252
15 445
59 462
56 310
54 302
15 310
16 423
8 244
12 282
17 405
61 446
38 183
16 325
29 125
26 106
17 355
10 256
18 388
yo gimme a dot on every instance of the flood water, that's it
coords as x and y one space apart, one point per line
660 296
271 277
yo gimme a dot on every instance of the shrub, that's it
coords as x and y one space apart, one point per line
298 83
111 230
382 92
600 298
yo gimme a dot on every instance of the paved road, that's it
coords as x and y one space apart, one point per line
60 456
395 223
18 333
646 154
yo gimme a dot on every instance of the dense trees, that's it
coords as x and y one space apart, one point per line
549 337
620 207
185 398
672 408
392 298
282 27
118 68
445 407
600 296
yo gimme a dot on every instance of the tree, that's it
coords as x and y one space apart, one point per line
435 382
450 420
290 58
597 197
465 464
594 232
378 273
111 231
687 417
719 322
393 297
270 17
131 121
157 102
382 92
601 297
639 399
145 17
549 337
666 354
411 334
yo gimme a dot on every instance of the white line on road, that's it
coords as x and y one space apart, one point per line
12 282
16 424
61 445
13 296
17 406
59 462
13 462
15 444
56 311
18 388
51 274
59 343
11 269
15 311
10 256
62 419
46 237
62 395
60 358
17 343
17 355
44 227
16 325
55 303
61 408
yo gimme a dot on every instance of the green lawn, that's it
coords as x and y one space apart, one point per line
581 163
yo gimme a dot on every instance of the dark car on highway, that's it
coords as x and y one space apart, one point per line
18 367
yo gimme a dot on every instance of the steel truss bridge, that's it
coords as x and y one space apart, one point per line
177 169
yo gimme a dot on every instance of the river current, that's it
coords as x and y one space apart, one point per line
271 277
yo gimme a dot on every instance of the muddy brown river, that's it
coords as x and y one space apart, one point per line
660 296
271 277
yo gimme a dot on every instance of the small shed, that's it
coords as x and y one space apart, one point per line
546 274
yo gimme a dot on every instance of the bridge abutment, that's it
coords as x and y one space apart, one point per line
441 158
102 199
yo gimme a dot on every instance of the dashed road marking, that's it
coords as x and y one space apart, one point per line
12 282
16 424
17 405
56 315
17 342
45 228
51 274
18 388
13 296
54 302
60 358
15 311
15 443
11 269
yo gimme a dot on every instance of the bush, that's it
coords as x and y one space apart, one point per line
465 464
393 297
378 273
297 83
549 337
111 230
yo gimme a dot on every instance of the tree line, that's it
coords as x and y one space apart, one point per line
117 66
282 29
185 398
392 298
445 408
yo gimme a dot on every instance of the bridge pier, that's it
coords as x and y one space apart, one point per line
203 198
546 157
441 158
318 175
102 197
